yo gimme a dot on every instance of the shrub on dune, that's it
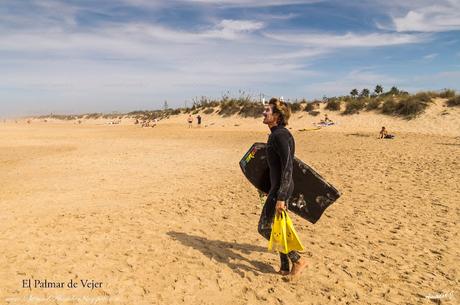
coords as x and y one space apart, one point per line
373 104
413 105
354 106
454 101
447 93
389 106
251 109
295 107
229 108
310 107
333 104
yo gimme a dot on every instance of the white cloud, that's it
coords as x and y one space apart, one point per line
232 29
131 40
277 16
253 3
346 40
444 16
430 56
239 25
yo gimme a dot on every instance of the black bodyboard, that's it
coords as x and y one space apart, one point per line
312 193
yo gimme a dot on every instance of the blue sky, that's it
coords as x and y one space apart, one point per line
78 56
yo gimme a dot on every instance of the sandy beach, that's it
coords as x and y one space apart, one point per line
164 215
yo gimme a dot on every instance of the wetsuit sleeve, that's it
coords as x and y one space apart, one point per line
283 148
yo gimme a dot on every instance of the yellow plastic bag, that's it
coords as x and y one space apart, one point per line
284 238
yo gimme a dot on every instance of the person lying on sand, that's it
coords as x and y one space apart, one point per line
280 155
384 134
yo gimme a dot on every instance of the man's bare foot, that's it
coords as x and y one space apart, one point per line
283 272
298 267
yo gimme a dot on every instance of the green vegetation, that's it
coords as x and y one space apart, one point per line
364 93
311 106
253 109
373 104
295 107
454 101
447 93
333 104
389 106
354 93
394 102
413 105
378 90
229 108
354 106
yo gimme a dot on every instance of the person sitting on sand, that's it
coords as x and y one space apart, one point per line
384 134
280 156
326 122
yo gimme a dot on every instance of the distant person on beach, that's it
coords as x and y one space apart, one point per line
190 121
325 122
280 155
199 120
384 134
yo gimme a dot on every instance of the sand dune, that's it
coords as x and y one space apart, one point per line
164 216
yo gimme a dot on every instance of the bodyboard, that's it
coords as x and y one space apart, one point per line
312 193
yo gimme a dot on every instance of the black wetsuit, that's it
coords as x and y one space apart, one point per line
280 157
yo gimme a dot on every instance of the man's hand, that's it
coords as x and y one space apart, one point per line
280 206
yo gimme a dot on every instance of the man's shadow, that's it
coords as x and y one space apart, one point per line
225 252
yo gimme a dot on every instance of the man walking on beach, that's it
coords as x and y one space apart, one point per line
280 156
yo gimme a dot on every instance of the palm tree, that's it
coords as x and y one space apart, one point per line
365 92
354 92
394 90
378 89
